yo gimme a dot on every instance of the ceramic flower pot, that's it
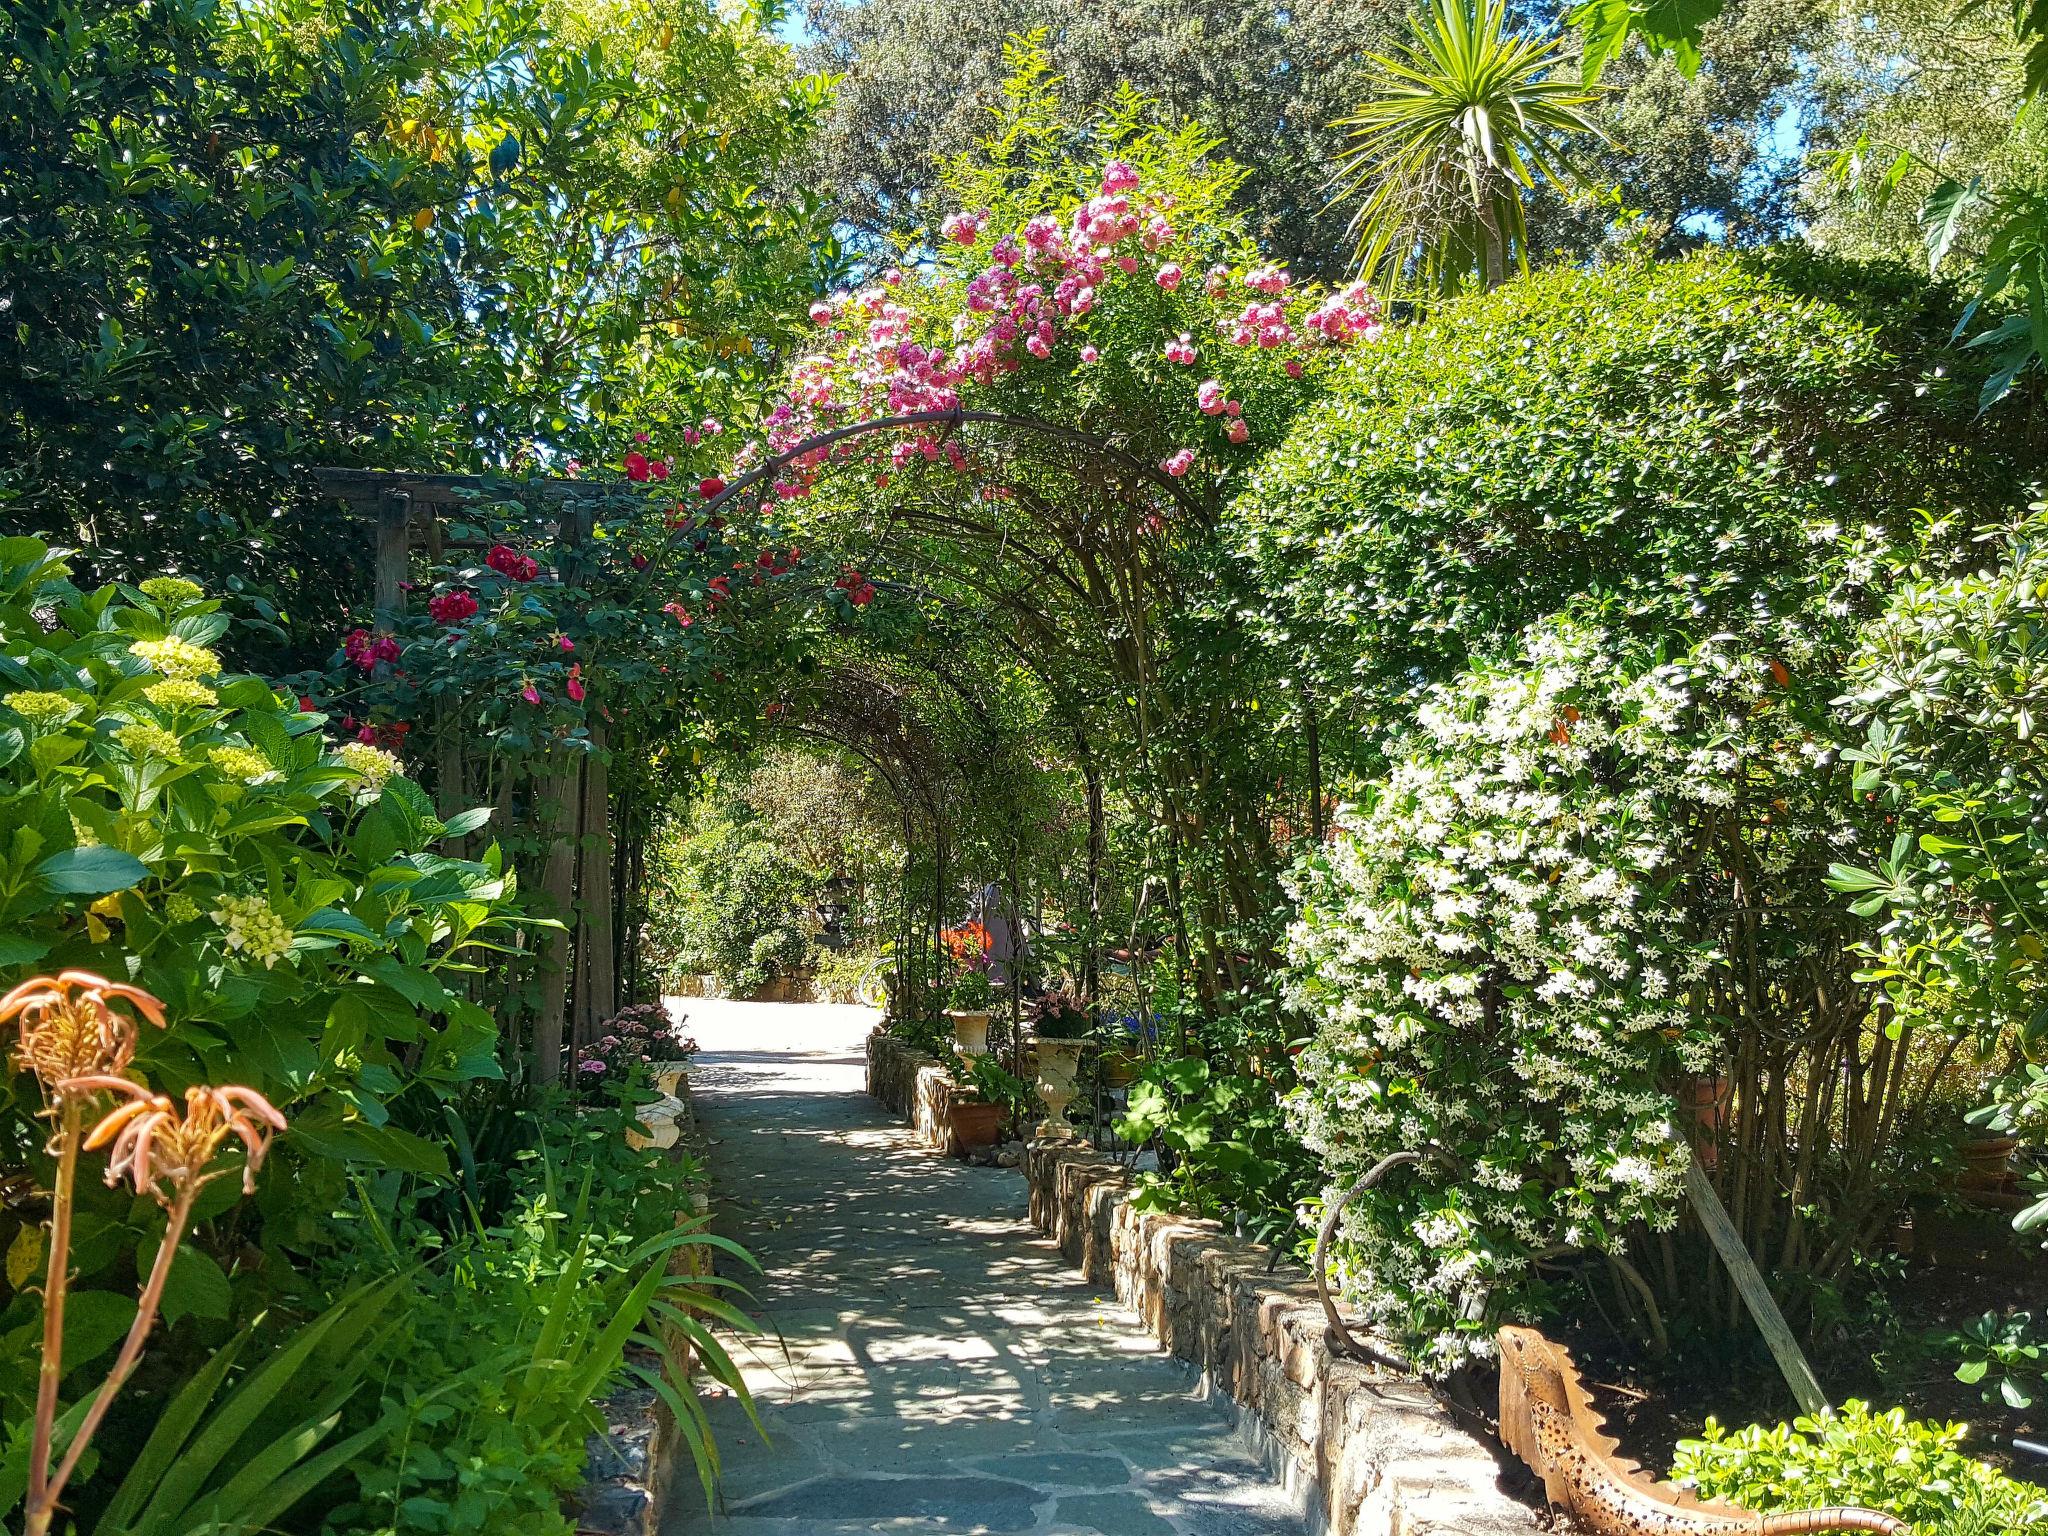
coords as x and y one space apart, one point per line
971 1124
970 1031
1059 1061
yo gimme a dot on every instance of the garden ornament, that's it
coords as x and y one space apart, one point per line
1547 1419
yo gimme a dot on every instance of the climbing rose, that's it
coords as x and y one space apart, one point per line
637 467
575 686
1238 431
1209 396
710 486
1089 354
1179 463
507 561
1268 280
1182 350
530 693
1119 176
679 613
821 313
1170 276
964 228
564 643
451 607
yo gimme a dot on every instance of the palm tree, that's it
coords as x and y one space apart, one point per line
1458 126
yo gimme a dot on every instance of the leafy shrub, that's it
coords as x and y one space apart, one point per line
197 834
738 908
509 1331
1691 438
1945 690
1906 1467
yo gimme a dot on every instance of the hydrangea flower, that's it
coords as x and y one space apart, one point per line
243 764
251 928
174 656
146 739
41 709
180 908
176 693
171 591
373 765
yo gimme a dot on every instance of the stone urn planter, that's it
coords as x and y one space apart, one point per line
1059 1061
972 1124
666 1076
970 1031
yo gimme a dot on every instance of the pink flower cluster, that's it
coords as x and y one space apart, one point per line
964 228
1263 325
878 355
363 651
1350 314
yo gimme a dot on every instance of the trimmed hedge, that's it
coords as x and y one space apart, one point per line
1697 442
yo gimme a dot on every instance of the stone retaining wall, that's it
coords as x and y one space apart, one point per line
915 1087
1366 1453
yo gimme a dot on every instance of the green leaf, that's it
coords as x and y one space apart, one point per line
195 1287
91 871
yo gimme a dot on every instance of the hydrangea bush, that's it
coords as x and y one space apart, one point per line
196 833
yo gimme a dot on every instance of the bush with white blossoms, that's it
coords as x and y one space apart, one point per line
1502 963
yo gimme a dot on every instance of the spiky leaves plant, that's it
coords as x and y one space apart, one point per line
1468 117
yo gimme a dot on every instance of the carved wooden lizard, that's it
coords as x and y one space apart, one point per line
1547 1419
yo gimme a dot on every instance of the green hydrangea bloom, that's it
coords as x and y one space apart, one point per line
41 709
180 693
176 657
145 739
171 591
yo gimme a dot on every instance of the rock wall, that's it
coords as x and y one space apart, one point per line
1366 1452
914 1086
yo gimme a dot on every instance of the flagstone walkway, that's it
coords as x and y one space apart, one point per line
938 1366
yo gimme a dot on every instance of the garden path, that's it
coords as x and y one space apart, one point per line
940 1367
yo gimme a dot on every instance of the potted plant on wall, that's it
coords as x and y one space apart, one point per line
970 996
1060 1027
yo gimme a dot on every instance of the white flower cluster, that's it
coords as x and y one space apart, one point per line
1496 957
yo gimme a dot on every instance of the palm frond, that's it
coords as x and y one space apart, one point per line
1462 120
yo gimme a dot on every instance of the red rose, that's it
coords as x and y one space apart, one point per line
710 486
637 467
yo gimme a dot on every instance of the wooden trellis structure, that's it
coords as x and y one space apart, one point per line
564 810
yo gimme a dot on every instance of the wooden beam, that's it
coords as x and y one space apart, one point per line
394 557
1756 1291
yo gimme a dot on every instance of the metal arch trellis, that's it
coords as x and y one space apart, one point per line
1100 446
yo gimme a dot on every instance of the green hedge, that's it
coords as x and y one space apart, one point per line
1697 439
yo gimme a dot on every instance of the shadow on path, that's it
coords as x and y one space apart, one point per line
930 1361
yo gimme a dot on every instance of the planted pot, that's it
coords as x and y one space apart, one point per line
1120 1069
970 1030
1059 1062
972 1124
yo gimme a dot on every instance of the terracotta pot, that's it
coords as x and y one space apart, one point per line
1987 1163
1704 1099
973 1124
970 1030
1121 1068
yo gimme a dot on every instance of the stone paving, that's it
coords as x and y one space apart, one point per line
930 1361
